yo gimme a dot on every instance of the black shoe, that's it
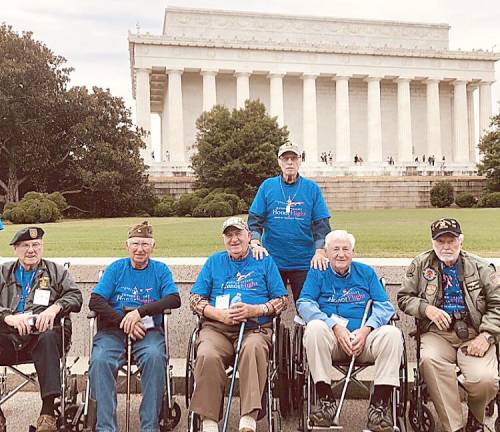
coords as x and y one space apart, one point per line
379 418
324 413
473 425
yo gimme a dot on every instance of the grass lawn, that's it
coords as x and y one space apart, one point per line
379 233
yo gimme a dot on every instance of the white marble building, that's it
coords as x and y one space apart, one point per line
371 88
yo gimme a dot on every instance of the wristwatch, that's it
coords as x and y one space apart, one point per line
489 338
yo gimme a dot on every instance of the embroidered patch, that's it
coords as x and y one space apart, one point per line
430 290
43 282
429 273
473 285
410 271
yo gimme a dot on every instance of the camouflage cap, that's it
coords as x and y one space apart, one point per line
141 230
28 233
445 226
236 222
288 147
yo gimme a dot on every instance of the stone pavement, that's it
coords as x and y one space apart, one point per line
22 410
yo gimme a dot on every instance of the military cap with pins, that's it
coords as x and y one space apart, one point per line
28 233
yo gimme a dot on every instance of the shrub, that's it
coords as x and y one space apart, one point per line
186 204
442 194
238 206
491 199
165 207
33 208
213 209
465 199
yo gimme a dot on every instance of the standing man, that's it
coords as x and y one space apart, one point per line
34 294
146 286
289 214
456 298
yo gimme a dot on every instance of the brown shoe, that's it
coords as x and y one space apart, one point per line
3 424
46 423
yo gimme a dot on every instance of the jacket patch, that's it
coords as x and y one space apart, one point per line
410 271
429 273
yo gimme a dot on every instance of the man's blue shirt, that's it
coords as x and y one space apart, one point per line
257 281
289 211
124 286
326 293
25 279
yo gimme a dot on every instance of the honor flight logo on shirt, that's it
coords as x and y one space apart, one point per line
135 295
240 282
351 295
289 210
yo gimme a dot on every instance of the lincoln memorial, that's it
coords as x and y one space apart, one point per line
375 89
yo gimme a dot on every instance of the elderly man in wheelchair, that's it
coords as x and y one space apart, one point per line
34 294
236 297
455 298
333 303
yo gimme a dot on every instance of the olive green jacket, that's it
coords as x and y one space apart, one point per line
422 287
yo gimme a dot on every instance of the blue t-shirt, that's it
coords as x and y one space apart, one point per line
347 296
25 279
123 286
453 296
289 211
256 281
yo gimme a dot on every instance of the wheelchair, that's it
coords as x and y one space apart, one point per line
276 402
85 417
65 404
419 414
303 388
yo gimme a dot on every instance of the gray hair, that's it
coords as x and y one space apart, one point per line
340 235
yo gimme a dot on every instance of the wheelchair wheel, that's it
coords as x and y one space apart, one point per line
426 421
303 424
169 417
497 424
298 379
194 422
283 362
189 382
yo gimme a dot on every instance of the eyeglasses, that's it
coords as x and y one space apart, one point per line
293 158
26 246
137 245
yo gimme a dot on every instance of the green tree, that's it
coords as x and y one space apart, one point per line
237 150
489 146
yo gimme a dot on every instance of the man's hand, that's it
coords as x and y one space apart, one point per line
130 320
478 346
223 317
138 331
438 317
258 251
45 320
319 261
240 312
358 344
344 339
21 322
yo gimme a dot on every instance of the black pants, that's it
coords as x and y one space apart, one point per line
296 279
44 350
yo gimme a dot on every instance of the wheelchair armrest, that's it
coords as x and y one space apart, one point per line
91 315
167 311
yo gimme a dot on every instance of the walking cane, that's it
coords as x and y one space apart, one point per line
351 366
233 377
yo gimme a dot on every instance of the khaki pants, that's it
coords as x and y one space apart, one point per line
383 347
216 347
440 355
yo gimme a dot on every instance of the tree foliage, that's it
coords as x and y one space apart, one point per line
489 146
237 150
55 138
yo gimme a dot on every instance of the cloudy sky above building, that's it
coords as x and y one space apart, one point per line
92 34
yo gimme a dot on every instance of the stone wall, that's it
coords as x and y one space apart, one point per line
350 192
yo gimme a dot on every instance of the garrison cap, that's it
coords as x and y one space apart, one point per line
28 233
445 226
141 230
236 222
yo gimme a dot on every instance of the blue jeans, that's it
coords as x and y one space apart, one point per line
108 355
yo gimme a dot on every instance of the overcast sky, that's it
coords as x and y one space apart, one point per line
92 34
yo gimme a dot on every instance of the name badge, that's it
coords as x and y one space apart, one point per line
148 322
340 320
222 302
42 297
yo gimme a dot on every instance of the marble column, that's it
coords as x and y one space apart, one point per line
143 109
374 144
276 97
342 120
434 146
405 144
209 89
310 123
175 121
460 127
242 88
472 123
484 106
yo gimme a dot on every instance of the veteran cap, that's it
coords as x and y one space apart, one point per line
141 230
28 233
445 226
288 147
236 222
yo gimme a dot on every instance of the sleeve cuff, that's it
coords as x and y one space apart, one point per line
330 322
